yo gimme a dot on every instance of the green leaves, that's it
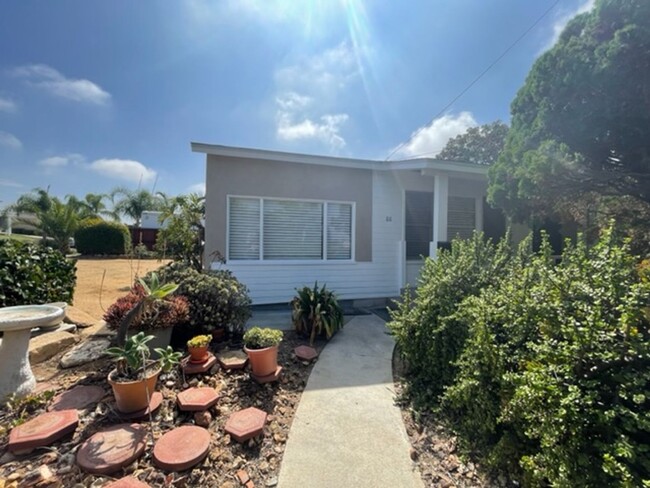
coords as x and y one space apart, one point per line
216 298
33 274
316 312
261 338
97 236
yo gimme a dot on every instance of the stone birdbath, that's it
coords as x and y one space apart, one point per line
16 324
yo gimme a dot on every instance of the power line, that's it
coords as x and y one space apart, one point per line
468 87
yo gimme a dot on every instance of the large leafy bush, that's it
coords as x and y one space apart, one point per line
426 329
96 236
34 274
553 379
216 298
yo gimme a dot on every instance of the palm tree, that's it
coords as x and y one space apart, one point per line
134 202
183 235
49 215
91 206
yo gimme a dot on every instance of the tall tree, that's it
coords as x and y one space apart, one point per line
479 145
132 203
581 122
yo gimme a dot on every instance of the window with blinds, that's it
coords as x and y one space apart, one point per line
339 231
292 230
461 219
244 236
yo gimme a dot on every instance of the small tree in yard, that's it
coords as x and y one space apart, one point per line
182 237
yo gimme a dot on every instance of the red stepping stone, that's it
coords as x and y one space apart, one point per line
154 405
246 424
196 368
77 398
268 378
305 353
232 359
197 399
42 430
128 482
181 448
111 449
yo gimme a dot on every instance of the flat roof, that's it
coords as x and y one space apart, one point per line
369 164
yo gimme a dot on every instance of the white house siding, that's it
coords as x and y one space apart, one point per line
276 283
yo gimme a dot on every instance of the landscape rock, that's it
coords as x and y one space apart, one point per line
85 352
45 346
78 317
202 419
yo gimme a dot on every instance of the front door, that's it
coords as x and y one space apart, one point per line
418 231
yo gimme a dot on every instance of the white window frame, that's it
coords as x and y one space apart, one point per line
285 262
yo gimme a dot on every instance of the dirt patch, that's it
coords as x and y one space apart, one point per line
102 281
260 458
434 448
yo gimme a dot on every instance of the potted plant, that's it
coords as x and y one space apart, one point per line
134 378
316 311
198 348
149 308
261 346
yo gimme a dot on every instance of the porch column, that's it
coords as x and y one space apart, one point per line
478 212
440 197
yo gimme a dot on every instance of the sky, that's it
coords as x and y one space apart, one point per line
96 95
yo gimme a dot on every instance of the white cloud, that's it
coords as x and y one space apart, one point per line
431 139
50 80
198 188
7 105
327 130
60 161
10 183
307 94
123 169
10 141
564 18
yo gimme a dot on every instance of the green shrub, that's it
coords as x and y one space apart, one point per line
96 237
259 338
426 329
555 376
316 312
216 298
34 274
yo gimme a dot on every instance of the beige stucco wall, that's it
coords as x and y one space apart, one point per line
231 176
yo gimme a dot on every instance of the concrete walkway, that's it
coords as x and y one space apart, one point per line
347 430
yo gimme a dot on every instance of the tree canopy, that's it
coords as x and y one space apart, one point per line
581 122
479 145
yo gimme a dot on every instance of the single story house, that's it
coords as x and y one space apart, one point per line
284 220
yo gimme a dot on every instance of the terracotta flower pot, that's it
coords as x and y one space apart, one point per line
263 361
131 396
198 354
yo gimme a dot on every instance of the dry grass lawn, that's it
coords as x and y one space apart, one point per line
101 281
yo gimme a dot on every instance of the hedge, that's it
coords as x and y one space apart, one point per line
553 380
34 274
98 237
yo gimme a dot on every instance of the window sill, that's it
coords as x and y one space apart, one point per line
319 262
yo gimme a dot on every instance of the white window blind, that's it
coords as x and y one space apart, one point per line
289 230
244 232
461 219
293 230
339 231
